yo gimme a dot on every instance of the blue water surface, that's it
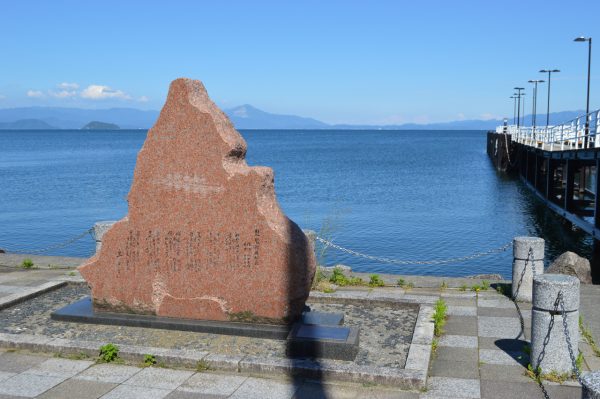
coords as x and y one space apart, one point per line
416 195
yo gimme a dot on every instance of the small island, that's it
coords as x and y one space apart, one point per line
95 125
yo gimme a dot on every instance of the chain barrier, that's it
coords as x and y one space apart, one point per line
513 298
412 262
51 247
560 300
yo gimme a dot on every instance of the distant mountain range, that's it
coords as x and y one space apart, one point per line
243 117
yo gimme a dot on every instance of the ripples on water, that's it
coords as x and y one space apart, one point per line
415 195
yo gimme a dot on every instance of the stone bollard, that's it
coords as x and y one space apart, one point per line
99 229
591 385
549 349
523 265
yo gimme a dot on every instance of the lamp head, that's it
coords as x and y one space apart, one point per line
581 39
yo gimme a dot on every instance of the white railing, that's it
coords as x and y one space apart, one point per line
572 135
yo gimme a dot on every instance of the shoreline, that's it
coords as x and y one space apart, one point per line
48 262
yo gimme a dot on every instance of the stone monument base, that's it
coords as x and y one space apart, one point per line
317 335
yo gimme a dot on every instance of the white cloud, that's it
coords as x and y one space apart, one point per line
2 97
35 94
68 86
99 92
63 93
143 99
461 116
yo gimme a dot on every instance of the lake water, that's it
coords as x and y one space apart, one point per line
415 195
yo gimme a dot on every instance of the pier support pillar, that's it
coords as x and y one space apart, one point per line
549 347
528 259
569 176
99 229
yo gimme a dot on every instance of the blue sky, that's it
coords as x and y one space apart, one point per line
337 61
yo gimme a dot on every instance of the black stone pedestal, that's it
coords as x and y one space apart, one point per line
318 335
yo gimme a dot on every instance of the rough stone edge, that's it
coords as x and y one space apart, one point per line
30 292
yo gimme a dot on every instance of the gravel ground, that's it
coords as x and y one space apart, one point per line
385 331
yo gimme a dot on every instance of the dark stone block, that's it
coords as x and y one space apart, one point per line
322 318
310 341
83 312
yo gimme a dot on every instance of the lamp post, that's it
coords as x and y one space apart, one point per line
519 105
523 109
534 105
550 72
587 103
514 109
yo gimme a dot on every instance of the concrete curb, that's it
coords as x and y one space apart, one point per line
30 292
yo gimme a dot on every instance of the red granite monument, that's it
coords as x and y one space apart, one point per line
205 237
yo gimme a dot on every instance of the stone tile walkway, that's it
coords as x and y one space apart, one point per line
35 376
479 356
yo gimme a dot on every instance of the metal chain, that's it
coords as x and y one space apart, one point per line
560 300
514 300
412 262
51 247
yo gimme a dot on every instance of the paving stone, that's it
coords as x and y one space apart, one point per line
212 384
452 388
159 378
491 389
382 394
498 327
78 389
108 373
451 368
503 312
504 344
254 388
10 289
499 372
192 395
60 367
310 390
28 385
17 363
462 310
461 325
454 301
494 356
458 341
459 294
495 303
10 397
135 392
457 354
6 375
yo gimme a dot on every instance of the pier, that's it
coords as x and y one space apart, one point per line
560 165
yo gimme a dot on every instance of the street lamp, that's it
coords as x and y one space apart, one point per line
587 104
519 105
533 120
523 109
550 72
514 109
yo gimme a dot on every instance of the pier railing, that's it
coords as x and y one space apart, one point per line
582 132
